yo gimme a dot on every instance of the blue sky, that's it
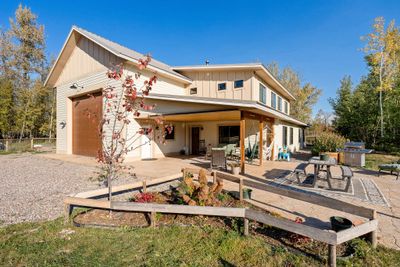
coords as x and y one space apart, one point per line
319 39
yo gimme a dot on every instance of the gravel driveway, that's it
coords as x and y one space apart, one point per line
32 187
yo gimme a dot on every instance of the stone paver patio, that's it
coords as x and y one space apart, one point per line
386 185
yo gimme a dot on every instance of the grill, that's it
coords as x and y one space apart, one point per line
354 153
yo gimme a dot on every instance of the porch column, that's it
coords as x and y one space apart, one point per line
260 149
242 137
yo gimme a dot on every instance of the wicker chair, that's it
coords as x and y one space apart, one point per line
218 158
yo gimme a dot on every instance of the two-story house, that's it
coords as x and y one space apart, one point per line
208 105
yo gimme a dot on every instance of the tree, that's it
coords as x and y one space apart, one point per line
382 49
28 61
342 106
306 95
6 106
122 103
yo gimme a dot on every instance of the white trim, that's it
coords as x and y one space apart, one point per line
58 57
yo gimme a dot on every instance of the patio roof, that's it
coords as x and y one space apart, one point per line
253 106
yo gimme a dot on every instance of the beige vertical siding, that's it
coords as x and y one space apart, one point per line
207 82
86 58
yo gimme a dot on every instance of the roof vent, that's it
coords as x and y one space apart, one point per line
207 62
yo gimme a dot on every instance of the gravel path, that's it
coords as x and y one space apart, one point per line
32 187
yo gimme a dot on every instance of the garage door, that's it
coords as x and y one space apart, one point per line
86 117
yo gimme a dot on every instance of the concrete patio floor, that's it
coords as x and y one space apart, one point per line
388 215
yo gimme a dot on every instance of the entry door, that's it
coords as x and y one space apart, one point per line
195 140
146 148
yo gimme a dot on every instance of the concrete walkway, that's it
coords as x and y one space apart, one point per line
388 215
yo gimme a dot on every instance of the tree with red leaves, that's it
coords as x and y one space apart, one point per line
124 99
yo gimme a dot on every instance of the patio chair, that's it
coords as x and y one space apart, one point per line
218 158
392 167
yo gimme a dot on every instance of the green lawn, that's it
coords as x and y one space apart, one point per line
373 160
44 244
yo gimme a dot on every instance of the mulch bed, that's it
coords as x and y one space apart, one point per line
272 235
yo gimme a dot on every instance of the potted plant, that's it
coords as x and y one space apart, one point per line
247 193
235 167
327 144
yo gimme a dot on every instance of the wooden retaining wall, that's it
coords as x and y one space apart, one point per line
329 237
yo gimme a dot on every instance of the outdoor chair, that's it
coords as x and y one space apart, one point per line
391 167
218 158
284 154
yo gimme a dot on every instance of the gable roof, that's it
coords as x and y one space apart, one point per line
119 51
260 69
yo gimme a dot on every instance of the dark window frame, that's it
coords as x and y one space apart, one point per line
233 136
169 136
194 88
262 94
284 136
220 85
240 85
279 103
286 107
291 135
273 99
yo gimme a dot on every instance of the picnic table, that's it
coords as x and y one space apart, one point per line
319 166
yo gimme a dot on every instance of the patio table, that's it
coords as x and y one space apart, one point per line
318 165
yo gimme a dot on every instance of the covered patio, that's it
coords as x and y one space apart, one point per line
204 130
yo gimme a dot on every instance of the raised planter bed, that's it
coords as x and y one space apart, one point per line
245 213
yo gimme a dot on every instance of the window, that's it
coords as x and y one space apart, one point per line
273 100
284 136
221 86
263 94
286 107
238 84
279 103
291 135
169 132
193 91
229 134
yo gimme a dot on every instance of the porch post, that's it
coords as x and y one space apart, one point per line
242 137
260 149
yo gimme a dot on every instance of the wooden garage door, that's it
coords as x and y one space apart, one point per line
86 117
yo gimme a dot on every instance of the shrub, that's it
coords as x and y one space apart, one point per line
147 197
328 142
200 193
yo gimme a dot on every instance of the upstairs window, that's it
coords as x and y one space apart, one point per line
263 94
286 106
273 100
279 103
221 86
193 91
238 84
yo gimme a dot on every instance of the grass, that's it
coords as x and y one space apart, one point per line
48 244
373 160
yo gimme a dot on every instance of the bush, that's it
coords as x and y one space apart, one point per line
328 142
